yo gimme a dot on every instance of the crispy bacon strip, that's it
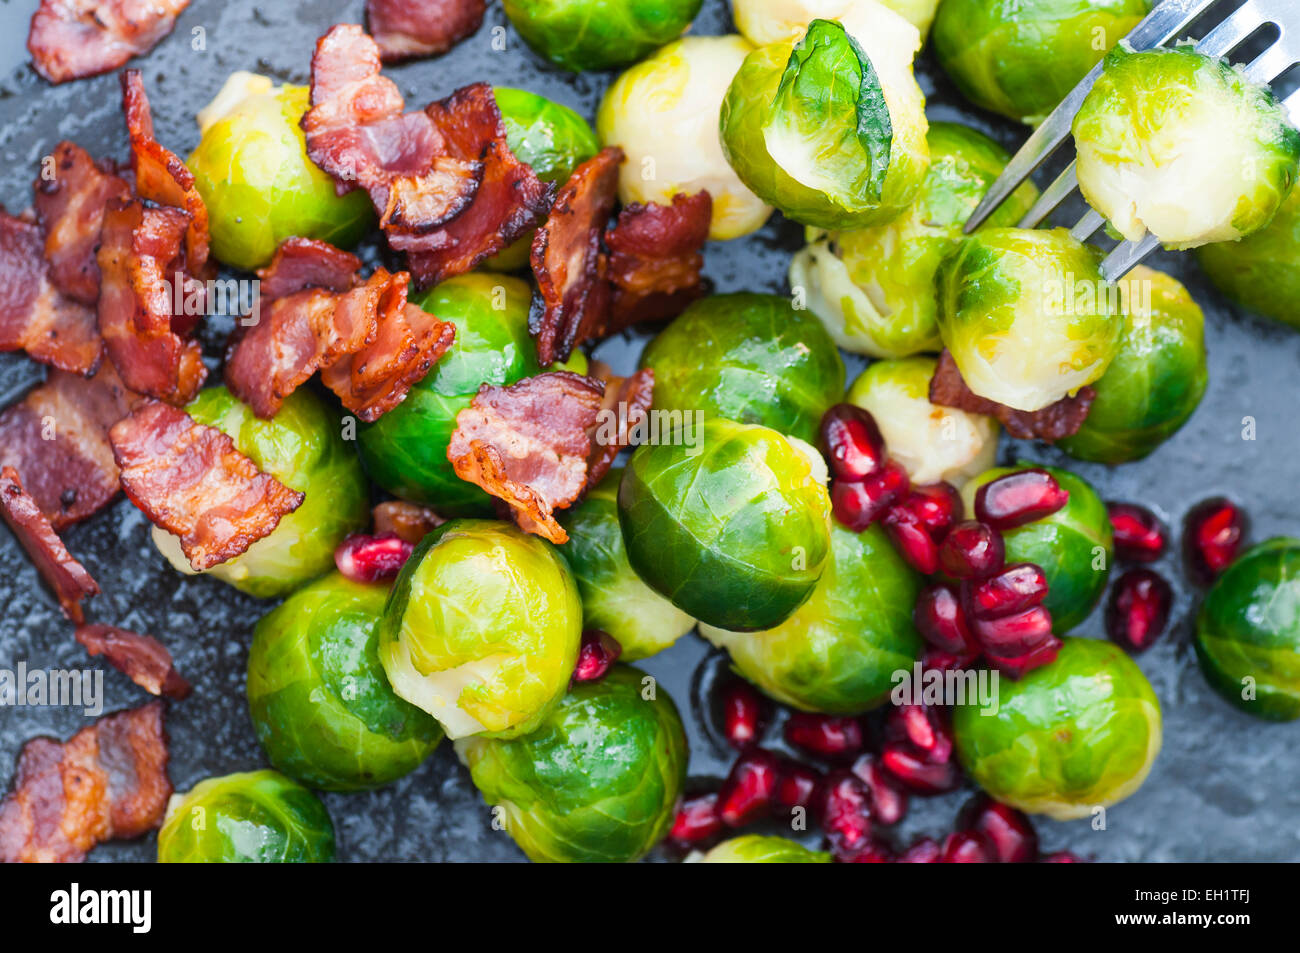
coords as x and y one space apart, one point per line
108 782
408 521
70 39
1053 422
405 29
302 263
190 480
655 260
141 658
528 444
67 577
627 400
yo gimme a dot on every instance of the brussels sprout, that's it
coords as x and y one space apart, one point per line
405 451
832 130
1027 316
1074 546
873 288
1248 631
757 849
919 13
482 628
1021 59
734 529
614 599
1157 378
839 651
751 358
578 363
1079 733
1184 146
259 817
320 701
598 781
1262 272
932 443
599 34
303 448
251 168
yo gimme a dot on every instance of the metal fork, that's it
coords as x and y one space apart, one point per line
1165 22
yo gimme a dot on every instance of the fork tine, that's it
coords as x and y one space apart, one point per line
1232 31
1052 196
1270 64
1086 226
1127 254
1292 105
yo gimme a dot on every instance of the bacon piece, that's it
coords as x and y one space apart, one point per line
141 658
108 782
71 39
626 402
1053 422
190 480
67 577
302 263
528 444
405 29
407 521
655 260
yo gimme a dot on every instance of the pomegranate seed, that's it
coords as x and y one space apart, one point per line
967 847
940 619
1062 857
972 550
846 812
1140 537
1016 667
871 851
938 505
798 786
922 728
1213 536
1138 609
852 442
924 851
1019 498
888 800
599 651
826 736
1012 590
749 789
372 558
696 820
859 504
744 714
1007 831
1014 635
912 538
948 661
915 773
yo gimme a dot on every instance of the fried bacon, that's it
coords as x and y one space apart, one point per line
405 29
141 658
1053 422
626 402
528 444
408 521
302 263
108 782
655 260
190 480
70 39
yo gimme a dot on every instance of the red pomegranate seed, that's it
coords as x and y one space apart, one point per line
846 811
1213 536
826 736
750 788
972 550
1061 857
922 728
852 442
598 652
967 847
915 773
858 504
947 661
1014 589
696 820
871 851
1019 498
1138 609
798 786
372 558
744 714
888 800
938 505
1140 537
924 851
912 538
1017 667
941 620
1014 635
1007 831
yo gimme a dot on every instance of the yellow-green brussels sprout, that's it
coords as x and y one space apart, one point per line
839 651
598 34
321 703
1027 316
1069 737
1021 59
1157 378
251 168
751 358
732 527
760 849
258 817
1262 271
482 628
598 781
763 22
832 129
873 288
302 446
1184 146
663 113
932 443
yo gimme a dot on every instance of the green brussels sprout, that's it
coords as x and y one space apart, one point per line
258 817
1074 546
302 446
321 703
405 451
663 114
599 34
1262 271
1156 380
874 288
598 781
932 443
251 168
1248 631
751 358
1079 733
1021 59
758 849
831 130
482 628
733 529
1184 146
839 651
614 599
1027 316
578 363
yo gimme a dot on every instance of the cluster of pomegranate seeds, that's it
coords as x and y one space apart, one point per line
1007 832
865 483
744 714
1140 537
918 750
597 654
1138 609
966 847
888 799
1019 498
1213 536
364 558
846 819
825 736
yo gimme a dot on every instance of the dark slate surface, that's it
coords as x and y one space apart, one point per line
1222 789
